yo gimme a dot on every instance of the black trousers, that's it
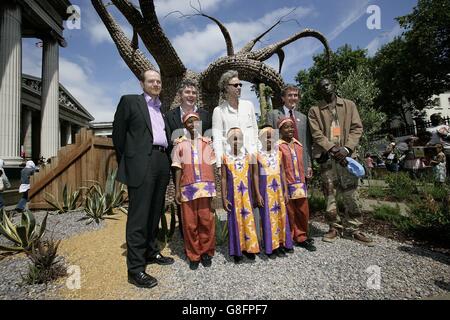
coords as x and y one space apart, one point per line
177 206
146 205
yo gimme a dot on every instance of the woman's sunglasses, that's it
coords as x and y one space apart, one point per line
235 85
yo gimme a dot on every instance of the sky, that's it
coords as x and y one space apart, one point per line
95 74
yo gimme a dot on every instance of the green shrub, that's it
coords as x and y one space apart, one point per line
317 202
70 200
100 202
23 235
392 215
46 265
377 192
430 220
115 192
95 206
401 186
437 192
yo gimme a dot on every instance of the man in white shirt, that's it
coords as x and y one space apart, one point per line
233 113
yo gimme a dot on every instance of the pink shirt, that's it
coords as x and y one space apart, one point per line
157 121
369 162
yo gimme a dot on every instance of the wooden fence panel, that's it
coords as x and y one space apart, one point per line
89 158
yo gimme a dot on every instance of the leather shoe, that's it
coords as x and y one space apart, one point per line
308 245
291 250
280 253
206 260
272 255
160 259
250 256
142 280
193 265
238 259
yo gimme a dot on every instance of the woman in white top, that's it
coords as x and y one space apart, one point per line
233 112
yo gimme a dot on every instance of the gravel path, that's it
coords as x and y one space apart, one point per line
334 271
12 268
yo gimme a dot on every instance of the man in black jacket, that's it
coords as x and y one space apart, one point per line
141 138
187 93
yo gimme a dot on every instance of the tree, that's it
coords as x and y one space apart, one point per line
342 62
264 95
247 61
394 78
360 87
427 38
412 68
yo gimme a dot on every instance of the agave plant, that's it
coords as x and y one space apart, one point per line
115 192
23 235
165 233
96 208
46 264
70 200
221 230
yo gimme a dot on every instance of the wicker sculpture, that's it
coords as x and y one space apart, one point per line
250 64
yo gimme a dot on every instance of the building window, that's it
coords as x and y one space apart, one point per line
437 102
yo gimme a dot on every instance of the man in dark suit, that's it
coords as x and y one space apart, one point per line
141 138
291 96
187 93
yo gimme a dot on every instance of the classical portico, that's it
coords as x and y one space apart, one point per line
30 19
72 116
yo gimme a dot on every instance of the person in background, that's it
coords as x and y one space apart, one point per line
439 165
297 207
272 196
237 197
193 161
141 138
25 175
412 163
391 155
4 183
369 165
188 94
234 112
336 129
290 95
440 133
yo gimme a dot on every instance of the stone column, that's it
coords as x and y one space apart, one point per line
50 99
27 125
10 82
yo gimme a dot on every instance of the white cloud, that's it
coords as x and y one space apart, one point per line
91 94
200 47
75 77
31 57
383 38
97 30
349 19
99 34
130 86
298 52
164 7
